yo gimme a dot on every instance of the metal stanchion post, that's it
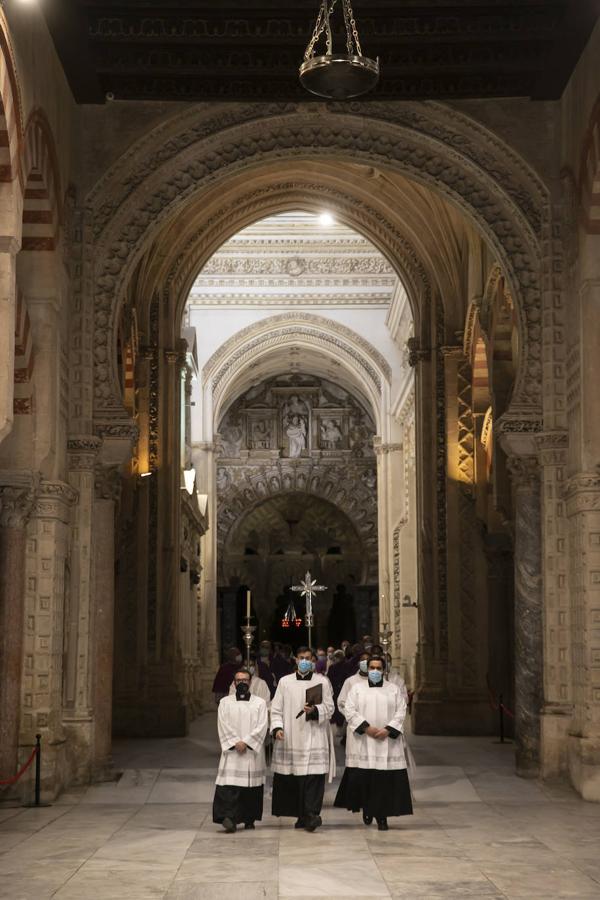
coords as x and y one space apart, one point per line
38 768
501 714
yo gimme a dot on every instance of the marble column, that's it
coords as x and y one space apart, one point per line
528 612
108 483
17 494
8 249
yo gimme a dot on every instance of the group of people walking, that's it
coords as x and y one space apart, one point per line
297 715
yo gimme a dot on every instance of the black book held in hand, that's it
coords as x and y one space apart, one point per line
314 696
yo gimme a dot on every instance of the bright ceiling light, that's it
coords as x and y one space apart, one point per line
326 219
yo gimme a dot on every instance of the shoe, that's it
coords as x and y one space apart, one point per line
382 825
367 819
299 824
249 826
313 822
229 826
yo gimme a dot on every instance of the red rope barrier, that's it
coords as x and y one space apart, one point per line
507 710
21 771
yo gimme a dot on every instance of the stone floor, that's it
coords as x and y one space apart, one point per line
478 832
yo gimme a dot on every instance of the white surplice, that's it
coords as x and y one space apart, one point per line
346 687
258 687
247 721
379 706
307 747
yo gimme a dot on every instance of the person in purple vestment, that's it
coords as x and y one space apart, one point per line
282 663
225 674
321 666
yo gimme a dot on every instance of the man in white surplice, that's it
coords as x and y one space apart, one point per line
303 750
375 779
242 724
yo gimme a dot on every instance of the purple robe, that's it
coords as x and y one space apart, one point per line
224 677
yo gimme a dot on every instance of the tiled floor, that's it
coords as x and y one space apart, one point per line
478 832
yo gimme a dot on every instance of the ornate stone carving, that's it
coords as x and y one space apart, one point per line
107 483
54 500
83 451
17 496
506 207
524 472
297 325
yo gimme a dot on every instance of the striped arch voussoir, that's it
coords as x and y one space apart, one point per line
11 131
589 173
41 206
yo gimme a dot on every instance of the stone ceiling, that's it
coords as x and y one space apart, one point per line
251 49
293 259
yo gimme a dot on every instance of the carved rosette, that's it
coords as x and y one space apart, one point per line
107 483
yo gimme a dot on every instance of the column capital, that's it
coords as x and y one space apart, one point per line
83 450
17 495
517 432
552 448
118 436
54 500
382 449
524 471
582 492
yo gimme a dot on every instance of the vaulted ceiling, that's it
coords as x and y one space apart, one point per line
251 49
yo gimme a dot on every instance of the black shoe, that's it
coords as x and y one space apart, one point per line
382 825
367 819
229 826
313 822
249 826
299 824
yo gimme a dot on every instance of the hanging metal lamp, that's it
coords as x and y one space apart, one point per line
337 76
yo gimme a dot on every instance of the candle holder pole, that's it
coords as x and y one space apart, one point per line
248 633
385 639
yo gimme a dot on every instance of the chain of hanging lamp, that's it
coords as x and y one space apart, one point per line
323 24
332 74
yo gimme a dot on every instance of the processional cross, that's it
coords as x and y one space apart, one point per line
308 588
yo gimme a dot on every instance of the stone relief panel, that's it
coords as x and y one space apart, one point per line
297 417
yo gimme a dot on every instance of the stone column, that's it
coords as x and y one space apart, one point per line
8 250
528 613
17 494
78 661
107 486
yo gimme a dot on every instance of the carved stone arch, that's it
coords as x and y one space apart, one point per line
11 122
42 197
428 143
307 196
364 364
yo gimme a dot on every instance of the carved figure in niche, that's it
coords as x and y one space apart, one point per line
232 434
296 434
260 435
287 481
222 479
331 435
274 483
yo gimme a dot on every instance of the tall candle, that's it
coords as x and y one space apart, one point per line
247 604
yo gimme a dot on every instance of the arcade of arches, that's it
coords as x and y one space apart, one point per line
207 388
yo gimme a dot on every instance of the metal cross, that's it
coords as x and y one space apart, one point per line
308 588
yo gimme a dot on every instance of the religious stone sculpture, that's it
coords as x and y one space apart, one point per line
296 433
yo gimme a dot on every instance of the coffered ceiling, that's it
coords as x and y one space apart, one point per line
251 49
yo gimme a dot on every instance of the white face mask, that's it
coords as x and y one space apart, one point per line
238 659
251 670
364 666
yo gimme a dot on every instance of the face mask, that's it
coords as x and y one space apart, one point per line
368 646
238 659
252 670
321 656
264 653
364 666
304 666
375 676
242 689
313 666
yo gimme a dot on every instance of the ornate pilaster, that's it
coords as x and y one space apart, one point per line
9 247
557 706
17 496
47 601
107 488
525 475
582 493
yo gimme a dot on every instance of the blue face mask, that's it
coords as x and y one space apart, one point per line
364 666
375 676
304 666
